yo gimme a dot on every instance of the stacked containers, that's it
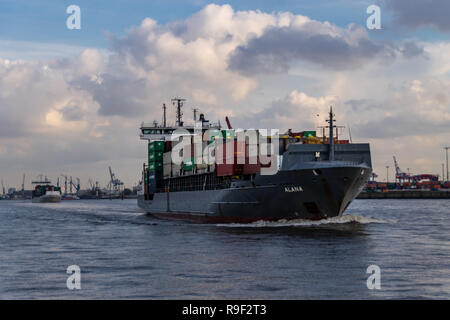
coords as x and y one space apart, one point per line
232 161
155 165
167 164
308 134
188 166
228 134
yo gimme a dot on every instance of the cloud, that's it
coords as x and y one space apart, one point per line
297 111
320 43
72 113
414 108
419 13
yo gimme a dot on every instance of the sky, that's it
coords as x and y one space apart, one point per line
72 100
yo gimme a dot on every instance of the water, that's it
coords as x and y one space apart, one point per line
124 254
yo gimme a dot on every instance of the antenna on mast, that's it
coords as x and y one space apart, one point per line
195 113
178 102
164 115
331 139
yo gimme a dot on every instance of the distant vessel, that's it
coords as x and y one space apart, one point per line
44 191
315 177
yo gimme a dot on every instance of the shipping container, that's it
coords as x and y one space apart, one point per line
176 168
228 134
308 134
167 170
155 166
231 153
251 168
188 165
155 175
152 186
342 142
200 171
167 158
201 166
156 146
167 146
155 156
229 169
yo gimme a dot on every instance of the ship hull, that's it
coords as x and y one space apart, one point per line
289 194
46 199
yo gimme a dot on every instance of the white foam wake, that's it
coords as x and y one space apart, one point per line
308 223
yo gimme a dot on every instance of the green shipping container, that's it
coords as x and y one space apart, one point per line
155 166
189 165
212 134
155 156
308 134
156 146
228 134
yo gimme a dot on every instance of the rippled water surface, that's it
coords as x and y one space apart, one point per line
125 254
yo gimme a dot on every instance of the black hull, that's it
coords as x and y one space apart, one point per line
290 194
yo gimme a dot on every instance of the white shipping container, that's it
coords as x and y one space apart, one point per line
201 166
167 158
176 170
204 170
167 170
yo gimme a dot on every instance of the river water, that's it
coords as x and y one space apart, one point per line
124 254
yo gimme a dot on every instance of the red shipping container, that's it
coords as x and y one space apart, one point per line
237 155
229 169
237 152
167 146
251 168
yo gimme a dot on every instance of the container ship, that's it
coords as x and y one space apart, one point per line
303 176
44 191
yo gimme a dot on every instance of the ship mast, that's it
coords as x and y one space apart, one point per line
164 115
331 138
179 103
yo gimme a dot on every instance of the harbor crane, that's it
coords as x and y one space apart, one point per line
3 188
65 183
23 186
114 184
399 174
76 186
